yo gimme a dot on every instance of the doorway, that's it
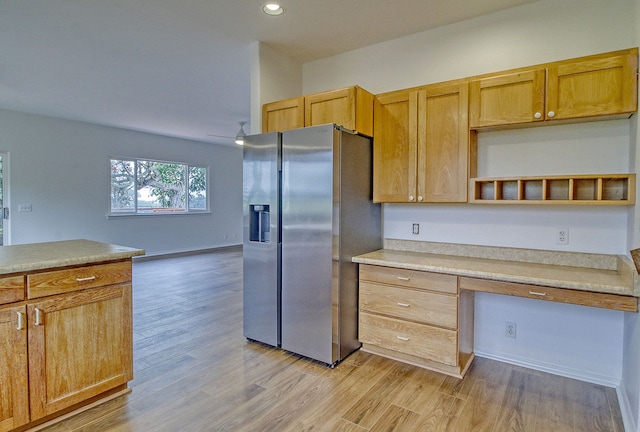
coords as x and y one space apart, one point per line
4 201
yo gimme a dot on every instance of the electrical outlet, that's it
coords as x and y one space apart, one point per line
562 236
510 330
416 228
24 207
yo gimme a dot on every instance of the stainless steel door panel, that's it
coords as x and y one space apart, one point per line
307 238
261 295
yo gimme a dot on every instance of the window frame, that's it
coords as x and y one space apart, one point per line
137 213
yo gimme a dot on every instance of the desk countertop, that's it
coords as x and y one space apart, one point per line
620 280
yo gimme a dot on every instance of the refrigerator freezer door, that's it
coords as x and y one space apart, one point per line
307 242
261 292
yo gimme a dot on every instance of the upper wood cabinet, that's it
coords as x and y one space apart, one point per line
395 148
595 86
443 143
599 85
351 107
507 99
421 144
283 115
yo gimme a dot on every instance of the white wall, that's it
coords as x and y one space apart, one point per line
629 392
274 76
61 168
574 341
535 33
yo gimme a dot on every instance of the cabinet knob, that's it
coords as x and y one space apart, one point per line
551 114
411 198
420 198
538 115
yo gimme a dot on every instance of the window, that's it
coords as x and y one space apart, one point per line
153 187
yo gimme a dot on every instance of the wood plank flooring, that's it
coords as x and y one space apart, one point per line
194 371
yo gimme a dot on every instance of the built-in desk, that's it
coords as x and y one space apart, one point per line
608 281
400 284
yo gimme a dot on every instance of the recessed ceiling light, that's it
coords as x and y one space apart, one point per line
273 9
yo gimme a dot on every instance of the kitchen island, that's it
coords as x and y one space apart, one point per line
65 314
417 298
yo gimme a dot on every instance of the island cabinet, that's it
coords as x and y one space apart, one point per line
67 343
80 341
421 145
603 85
350 107
417 317
14 390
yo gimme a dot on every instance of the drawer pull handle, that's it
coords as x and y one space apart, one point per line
541 294
38 317
20 325
86 279
402 338
404 278
404 304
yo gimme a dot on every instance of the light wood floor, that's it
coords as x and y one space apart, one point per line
194 371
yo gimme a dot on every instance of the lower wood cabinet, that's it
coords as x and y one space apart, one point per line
417 317
79 347
14 378
68 348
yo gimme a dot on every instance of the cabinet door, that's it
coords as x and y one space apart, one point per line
336 106
79 346
443 143
395 147
593 87
350 107
283 115
507 99
14 398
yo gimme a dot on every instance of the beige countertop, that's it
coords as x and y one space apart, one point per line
37 256
621 279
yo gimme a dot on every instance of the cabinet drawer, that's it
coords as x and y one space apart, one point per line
409 278
11 289
78 278
410 304
419 340
563 295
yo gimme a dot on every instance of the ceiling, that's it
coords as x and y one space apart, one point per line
182 68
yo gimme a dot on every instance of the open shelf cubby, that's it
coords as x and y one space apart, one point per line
596 189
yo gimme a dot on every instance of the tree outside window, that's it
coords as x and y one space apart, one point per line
153 187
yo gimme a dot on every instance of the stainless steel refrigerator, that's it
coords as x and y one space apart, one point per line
308 209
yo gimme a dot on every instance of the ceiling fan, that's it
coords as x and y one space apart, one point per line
239 138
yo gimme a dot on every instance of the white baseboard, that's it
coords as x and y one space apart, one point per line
626 411
186 252
555 369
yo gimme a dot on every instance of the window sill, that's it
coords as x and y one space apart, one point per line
158 214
